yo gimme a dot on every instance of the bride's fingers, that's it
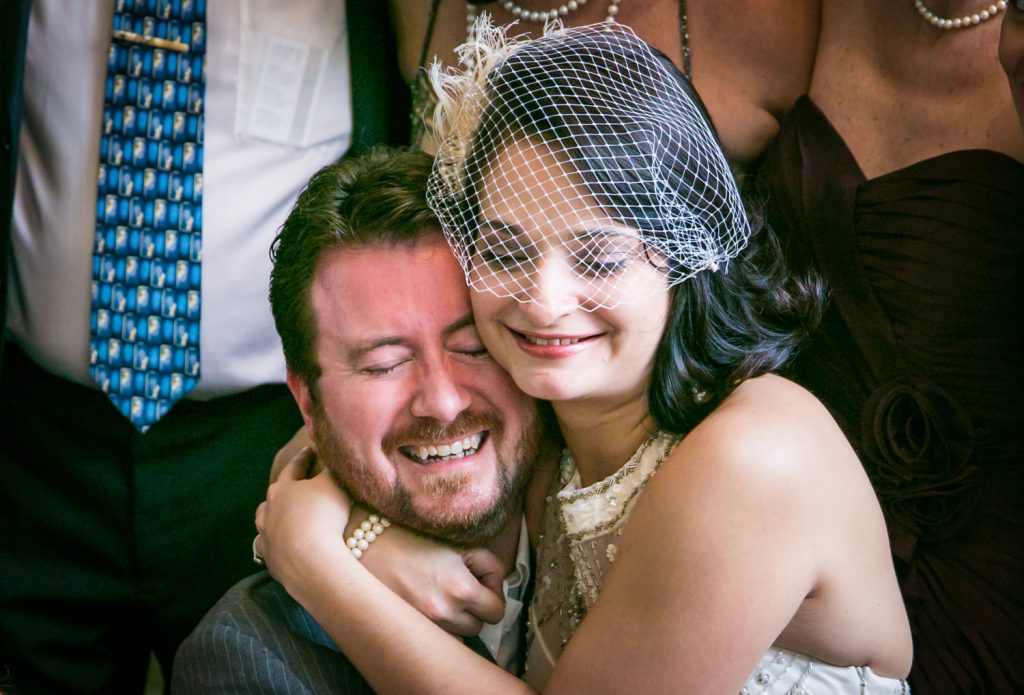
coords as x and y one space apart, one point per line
486 605
298 444
463 623
299 467
293 471
261 517
487 568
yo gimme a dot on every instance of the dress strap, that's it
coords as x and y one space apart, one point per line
421 96
684 40
431 18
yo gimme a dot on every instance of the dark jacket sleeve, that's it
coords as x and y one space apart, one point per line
14 16
380 97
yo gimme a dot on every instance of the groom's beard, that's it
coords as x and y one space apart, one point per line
366 483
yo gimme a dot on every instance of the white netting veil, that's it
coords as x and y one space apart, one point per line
582 161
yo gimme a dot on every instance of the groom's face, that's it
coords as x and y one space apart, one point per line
411 414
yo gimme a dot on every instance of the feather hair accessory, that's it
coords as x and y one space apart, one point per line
461 92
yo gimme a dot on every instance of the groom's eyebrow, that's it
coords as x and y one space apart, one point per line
361 350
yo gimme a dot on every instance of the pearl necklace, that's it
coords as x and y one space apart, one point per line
562 10
964 22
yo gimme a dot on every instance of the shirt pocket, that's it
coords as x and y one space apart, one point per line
294 87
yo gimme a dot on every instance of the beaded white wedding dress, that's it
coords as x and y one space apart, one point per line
581 529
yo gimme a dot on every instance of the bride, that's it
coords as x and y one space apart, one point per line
709 528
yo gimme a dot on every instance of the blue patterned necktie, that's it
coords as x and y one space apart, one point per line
144 349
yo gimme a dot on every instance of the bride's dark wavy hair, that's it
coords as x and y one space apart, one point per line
724 326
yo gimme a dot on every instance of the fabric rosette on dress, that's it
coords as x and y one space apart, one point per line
917 445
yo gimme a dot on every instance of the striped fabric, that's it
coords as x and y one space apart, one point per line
257 639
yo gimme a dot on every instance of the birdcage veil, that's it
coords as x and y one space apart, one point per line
583 146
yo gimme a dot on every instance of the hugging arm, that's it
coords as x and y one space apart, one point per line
696 594
301 527
458 589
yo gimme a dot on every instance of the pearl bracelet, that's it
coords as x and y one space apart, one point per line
367 533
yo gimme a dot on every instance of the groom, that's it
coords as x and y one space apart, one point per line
408 412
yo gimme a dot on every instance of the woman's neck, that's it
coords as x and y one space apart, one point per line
603 435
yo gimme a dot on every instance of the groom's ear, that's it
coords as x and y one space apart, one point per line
301 393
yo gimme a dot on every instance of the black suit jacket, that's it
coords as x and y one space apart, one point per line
257 639
380 99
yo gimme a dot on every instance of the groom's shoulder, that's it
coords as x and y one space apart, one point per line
256 605
256 637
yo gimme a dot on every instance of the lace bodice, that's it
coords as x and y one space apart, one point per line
581 530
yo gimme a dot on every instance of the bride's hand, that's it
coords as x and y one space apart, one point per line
300 447
457 589
301 523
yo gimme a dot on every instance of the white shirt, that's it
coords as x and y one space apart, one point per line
502 639
278 107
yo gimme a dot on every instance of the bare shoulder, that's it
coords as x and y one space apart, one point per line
776 422
771 443
749 521
773 451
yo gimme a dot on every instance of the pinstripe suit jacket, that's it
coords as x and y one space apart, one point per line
257 639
